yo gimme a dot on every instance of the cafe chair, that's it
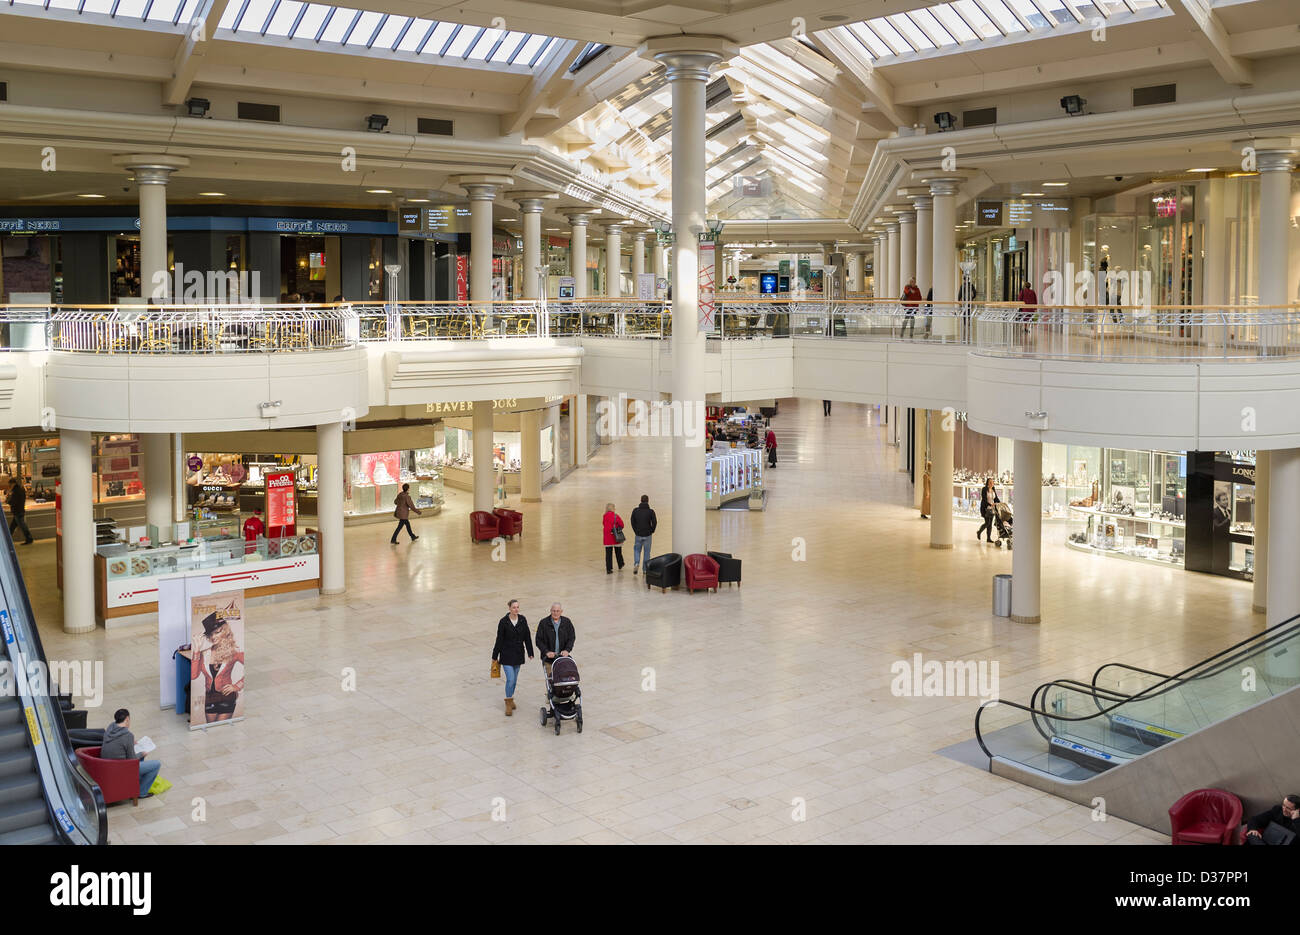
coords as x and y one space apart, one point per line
728 568
664 572
119 780
510 523
1205 816
483 525
701 573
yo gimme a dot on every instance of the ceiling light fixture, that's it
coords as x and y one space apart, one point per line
379 191
1073 104
1202 170
1031 194
418 201
375 123
1055 184
212 194
91 196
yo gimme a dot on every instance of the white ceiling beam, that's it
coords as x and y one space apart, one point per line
189 54
878 91
588 89
543 86
1216 42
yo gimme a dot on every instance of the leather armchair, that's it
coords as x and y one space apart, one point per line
483 525
119 780
509 522
701 572
664 571
1206 816
728 568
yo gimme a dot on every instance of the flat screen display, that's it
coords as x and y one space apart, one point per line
767 283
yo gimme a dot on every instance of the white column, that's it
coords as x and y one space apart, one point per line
924 242
895 259
484 467
482 191
906 249
687 61
613 261
1282 548
152 173
179 506
941 438
918 444
157 481
854 277
638 258
77 518
944 192
329 506
1026 558
530 456
661 260
1259 592
579 427
578 253
531 205
880 267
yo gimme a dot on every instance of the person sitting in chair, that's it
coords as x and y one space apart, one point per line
1285 816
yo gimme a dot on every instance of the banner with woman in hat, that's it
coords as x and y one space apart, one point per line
217 660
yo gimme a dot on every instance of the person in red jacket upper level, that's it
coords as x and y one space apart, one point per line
911 299
1028 300
613 545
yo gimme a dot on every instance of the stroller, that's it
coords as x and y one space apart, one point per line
1003 519
563 694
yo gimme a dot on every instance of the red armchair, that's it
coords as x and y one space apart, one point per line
1206 816
119 780
509 522
483 525
701 572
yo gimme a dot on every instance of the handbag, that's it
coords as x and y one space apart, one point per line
619 536
496 668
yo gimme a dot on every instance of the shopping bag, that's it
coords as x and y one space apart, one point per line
496 669
159 786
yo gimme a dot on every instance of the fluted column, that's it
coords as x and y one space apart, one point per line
924 206
531 205
578 253
638 259
906 248
895 259
152 173
613 261
482 191
944 192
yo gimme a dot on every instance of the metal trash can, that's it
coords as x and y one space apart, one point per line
1002 595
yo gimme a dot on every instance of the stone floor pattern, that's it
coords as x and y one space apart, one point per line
765 695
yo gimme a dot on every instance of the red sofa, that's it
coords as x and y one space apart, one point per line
119 780
483 525
1206 816
509 522
701 572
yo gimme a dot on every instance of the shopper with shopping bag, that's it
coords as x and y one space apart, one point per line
612 525
508 653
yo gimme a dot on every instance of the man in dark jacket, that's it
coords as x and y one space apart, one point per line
644 522
119 744
1286 816
18 508
555 636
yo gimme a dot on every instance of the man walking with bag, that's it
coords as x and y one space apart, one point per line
403 506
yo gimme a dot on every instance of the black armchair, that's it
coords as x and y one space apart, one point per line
728 567
664 571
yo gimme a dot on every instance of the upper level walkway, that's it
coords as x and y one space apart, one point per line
1176 377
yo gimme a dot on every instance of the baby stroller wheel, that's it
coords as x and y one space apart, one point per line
580 725
543 717
557 727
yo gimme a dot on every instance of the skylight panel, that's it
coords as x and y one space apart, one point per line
915 38
869 40
463 40
953 24
507 46
389 32
284 17
889 35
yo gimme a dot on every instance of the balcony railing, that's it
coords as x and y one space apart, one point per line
1105 333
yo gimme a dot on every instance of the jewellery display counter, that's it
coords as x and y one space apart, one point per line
458 458
126 578
373 480
731 475
233 483
1070 473
1139 509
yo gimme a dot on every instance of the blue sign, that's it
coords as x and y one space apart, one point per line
296 226
276 225
767 283
7 627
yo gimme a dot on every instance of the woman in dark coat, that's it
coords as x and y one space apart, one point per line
988 497
512 639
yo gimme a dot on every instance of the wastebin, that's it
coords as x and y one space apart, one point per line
1002 595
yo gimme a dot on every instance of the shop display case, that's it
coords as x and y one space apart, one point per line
733 474
373 480
1138 510
1069 474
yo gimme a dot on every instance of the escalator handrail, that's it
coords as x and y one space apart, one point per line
1150 692
1266 635
1073 685
64 741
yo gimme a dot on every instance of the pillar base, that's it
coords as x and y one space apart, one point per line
325 592
1016 619
530 499
80 630
948 546
1258 609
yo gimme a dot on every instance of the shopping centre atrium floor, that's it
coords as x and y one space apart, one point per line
765 697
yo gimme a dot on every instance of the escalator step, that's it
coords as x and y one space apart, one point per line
13 737
21 786
15 816
36 834
14 762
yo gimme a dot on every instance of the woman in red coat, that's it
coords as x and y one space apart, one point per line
769 442
613 546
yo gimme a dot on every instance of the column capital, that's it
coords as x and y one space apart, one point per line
533 202
905 215
151 168
581 218
1275 160
891 227
615 228
922 202
482 187
944 185
640 235
688 58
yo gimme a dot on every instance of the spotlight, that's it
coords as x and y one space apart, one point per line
375 123
198 106
1073 104
945 120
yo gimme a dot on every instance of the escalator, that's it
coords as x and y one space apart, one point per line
1139 735
44 796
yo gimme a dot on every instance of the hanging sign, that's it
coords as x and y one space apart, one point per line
462 278
281 504
708 302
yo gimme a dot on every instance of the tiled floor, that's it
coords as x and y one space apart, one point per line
768 700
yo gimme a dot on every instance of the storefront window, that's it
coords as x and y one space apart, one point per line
26 268
124 280
1243 255
548 447
375 287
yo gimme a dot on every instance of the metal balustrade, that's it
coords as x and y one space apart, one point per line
1103 333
